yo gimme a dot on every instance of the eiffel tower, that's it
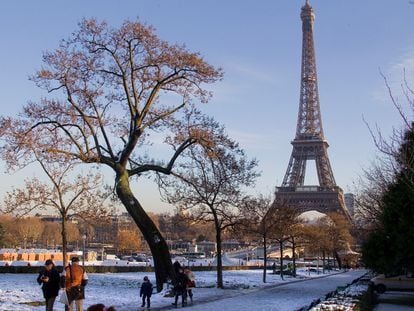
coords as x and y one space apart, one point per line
309 142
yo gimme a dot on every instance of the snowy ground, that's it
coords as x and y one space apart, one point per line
244 291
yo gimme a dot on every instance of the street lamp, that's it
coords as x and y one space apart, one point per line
83 250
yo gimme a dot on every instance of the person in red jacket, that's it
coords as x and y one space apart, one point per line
190 282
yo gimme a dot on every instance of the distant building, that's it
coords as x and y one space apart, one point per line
207 247
230 245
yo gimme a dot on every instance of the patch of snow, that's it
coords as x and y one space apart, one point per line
122 291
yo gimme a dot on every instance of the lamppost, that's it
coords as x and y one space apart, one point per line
83 250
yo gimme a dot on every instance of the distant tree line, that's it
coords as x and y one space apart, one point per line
33 232
37 232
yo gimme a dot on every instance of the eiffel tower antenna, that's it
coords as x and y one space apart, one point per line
309 142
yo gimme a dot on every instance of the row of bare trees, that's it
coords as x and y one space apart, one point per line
39 232
33 232
62 192
272 221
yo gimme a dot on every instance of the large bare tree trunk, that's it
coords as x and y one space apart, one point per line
157 244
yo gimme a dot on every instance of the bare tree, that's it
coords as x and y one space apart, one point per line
210 182
318 241
329 235
391 160
339 233
394 159
257 220
2 235
285 217
108 85
81 196
295 239
10 236
21 232
51 234
28 230
128 241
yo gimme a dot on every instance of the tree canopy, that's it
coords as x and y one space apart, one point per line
108 89
209 181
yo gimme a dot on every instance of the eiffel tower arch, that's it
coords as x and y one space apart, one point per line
309 142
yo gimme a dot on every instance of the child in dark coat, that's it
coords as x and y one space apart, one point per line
146 292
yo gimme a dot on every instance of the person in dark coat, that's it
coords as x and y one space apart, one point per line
146 292
180 287
177 266
49 279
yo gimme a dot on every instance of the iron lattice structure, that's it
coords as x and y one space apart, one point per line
309 142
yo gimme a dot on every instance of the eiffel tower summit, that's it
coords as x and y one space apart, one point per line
310 143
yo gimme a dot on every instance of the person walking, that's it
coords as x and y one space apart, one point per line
190 283
49 279
177 266
146 292
74 279
180 288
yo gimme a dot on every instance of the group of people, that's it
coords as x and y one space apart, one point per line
74 279
185 281
183 285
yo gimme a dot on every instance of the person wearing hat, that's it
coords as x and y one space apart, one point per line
74 280
49 279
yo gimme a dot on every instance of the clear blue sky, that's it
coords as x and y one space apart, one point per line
258 44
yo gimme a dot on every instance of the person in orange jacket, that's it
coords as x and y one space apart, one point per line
74 280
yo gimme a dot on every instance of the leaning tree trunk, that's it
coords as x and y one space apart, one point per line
157 244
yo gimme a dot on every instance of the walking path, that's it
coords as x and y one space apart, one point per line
287 296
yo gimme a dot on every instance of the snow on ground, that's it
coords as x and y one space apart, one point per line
122 290
282 297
